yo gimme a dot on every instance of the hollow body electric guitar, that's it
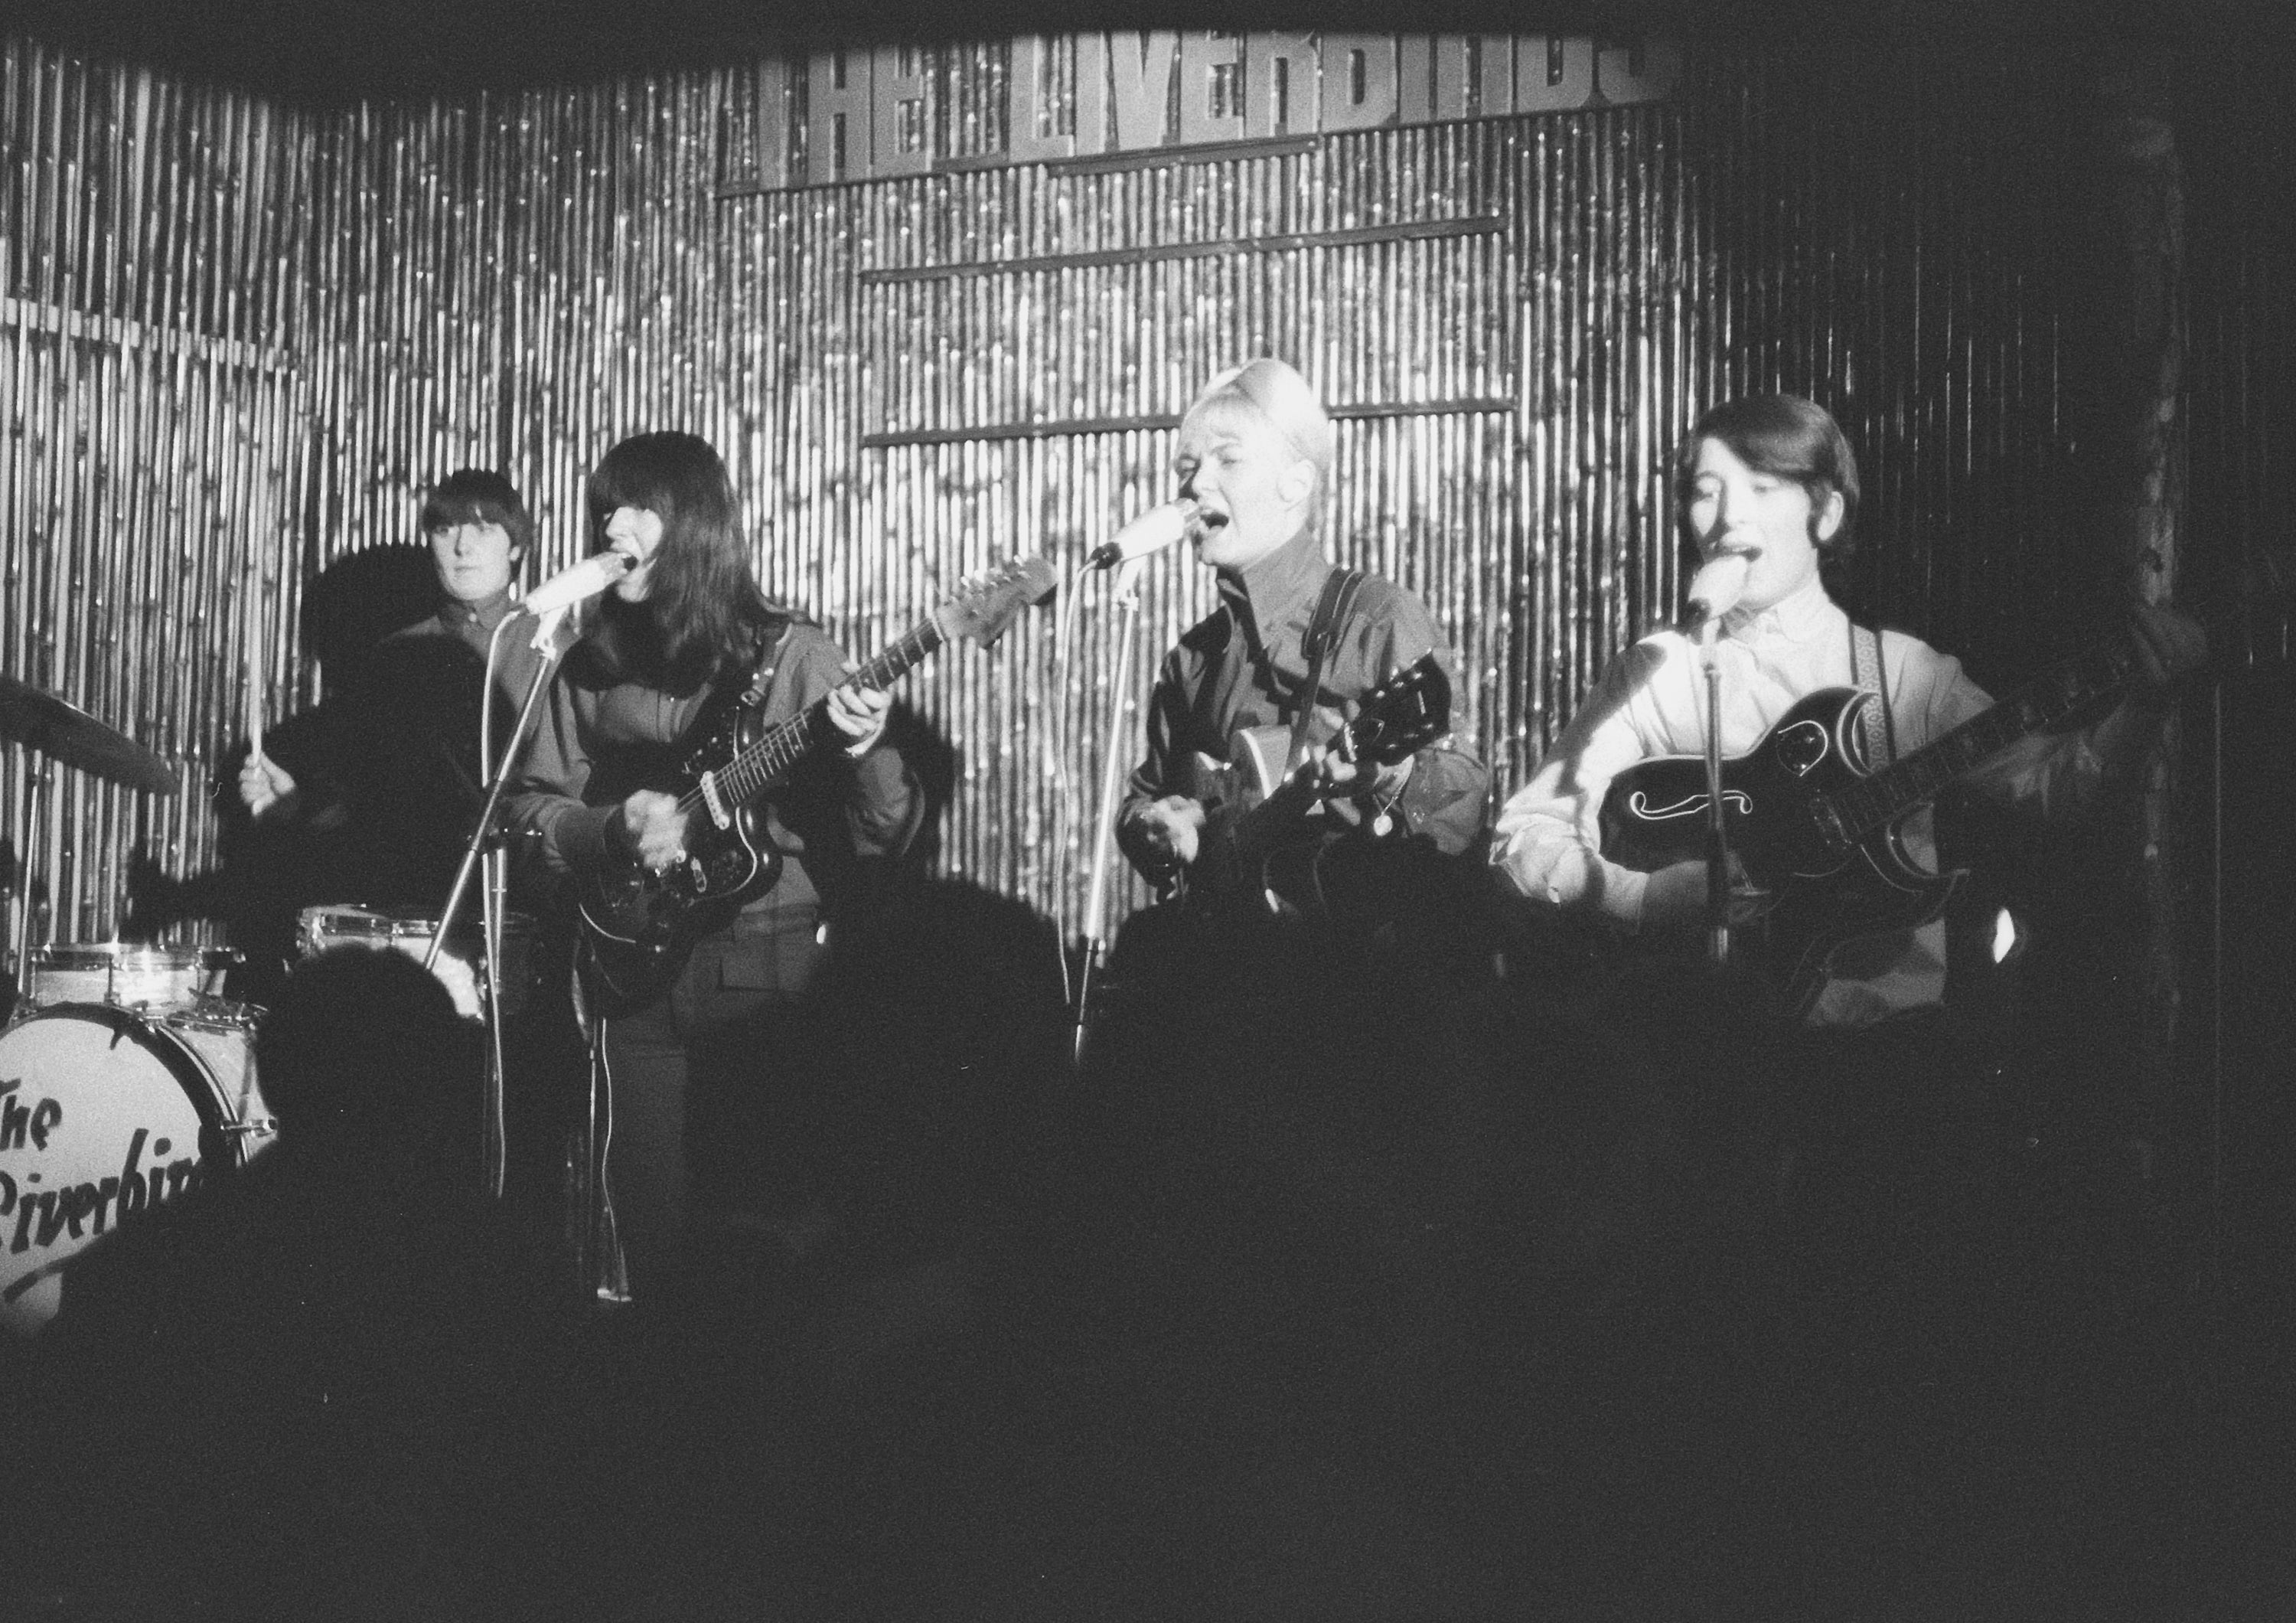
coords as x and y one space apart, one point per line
1259 837
1820 828
639 927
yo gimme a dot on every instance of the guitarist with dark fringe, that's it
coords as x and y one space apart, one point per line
1772 478
1842 1161
685 630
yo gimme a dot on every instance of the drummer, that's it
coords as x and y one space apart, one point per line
385 779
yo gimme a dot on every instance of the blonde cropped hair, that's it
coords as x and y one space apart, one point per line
1285 400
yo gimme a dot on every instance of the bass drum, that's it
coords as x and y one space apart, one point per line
103 1115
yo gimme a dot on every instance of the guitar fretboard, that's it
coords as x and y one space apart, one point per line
759 767
1873 802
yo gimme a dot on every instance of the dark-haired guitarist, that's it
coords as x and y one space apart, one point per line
1773 477
1870 1119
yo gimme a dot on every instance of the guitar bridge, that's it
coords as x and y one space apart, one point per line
720 812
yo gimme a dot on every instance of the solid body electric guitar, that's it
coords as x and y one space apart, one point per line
1820 828
639 927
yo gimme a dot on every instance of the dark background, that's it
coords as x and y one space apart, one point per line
337 50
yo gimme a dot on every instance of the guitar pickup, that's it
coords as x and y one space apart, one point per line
720 812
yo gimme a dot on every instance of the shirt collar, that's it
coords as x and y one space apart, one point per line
1799 616
484 615
1278 587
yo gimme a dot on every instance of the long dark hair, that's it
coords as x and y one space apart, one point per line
704 617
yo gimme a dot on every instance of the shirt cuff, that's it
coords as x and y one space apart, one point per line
580 834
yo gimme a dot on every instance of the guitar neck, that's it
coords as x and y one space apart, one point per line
1888 794
764 763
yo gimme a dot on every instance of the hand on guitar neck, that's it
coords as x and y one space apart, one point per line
2168 645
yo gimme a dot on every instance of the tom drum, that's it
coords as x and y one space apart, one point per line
344 924
131 974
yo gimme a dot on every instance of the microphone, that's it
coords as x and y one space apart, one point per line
578 581
1715 589
1152 531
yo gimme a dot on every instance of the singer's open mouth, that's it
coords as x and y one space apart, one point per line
1205 519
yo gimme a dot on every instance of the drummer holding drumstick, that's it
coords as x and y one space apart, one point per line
477 531
368 801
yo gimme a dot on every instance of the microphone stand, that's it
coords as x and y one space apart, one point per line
1718 835
483 839
1127 591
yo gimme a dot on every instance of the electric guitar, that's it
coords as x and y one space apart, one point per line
1818 827
639 927
1258 830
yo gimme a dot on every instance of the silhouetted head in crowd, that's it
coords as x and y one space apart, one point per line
364 1055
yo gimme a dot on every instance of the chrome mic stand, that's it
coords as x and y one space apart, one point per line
484 839
1718 835
1126 591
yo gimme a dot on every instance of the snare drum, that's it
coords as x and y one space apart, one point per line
128 974
104 1113
343 925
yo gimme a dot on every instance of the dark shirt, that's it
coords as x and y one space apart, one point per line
389 770
600 740
1241 667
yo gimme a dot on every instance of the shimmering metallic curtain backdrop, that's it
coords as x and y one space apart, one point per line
238 340
156 308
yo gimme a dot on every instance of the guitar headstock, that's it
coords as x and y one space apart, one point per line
1401 716
982 609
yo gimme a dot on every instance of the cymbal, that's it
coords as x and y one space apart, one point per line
71 735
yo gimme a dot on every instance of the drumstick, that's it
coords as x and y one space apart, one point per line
253 650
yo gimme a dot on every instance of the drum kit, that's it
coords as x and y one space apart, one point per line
127 1076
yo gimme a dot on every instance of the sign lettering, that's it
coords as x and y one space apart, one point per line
857 114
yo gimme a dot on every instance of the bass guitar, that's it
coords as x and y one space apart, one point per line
637 926
1259 835
1818 827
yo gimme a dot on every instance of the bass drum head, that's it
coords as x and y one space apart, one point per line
103 1115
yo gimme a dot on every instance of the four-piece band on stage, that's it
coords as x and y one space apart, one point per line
617 817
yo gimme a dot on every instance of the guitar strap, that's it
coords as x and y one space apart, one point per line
1331 611
764 679
1880 737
